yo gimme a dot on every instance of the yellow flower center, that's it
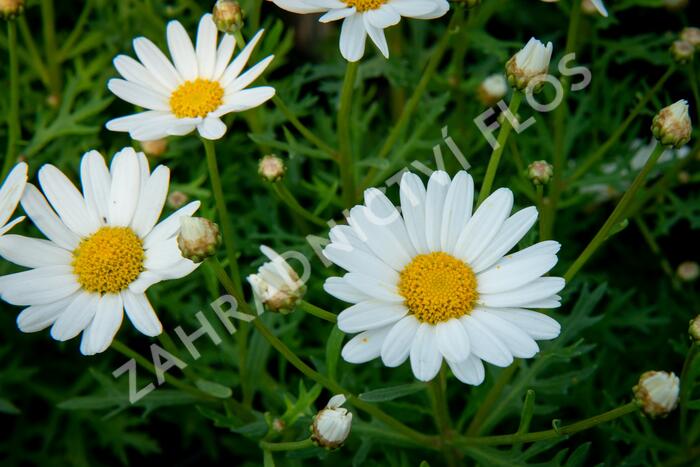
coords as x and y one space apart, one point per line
365 5
196 98
108 260
438 287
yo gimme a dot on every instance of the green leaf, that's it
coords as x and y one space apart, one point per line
8 407
391 393
214 389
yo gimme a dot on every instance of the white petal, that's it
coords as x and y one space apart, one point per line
537 325
223 55
235 68
352 38
131 122
140 313
600 6
157 63
342 290
33 252
67 201
211 128
365 346
7 227
425 357
335 15
413 8
377 36
368 315
38 317
298 6
124 193
46 220
76 317
379 237
376 289
536 290
484 225
518 342
354 260
179 269
96 182
206 46
398 343
104 326
170 226
438 185
182 51
151 201
162 255
452 340
469 371
486 345
38 286
244 100
383 17
345 237
513 230
378 204
12 190
457 210
132 70
412 193
144 281
249 76
138 95
512 272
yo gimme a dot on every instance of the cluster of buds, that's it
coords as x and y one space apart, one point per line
529 66
198 238
331 426
492 89
271 168
657 393
10 9
539 172
228 16
671 126
276 285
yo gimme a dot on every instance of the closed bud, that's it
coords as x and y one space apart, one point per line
198 238
530 65
228 16
271 168
177 199
539 172
10 9
688 271
671 126
331 426
691 36
276 285
492 89
694 329
657 393
155 148
682 51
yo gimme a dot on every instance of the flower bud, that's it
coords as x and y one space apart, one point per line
682 51
177 199
271 168
228 16
530 65
688 271
671 126
276 285
10 9
331 426
694 329
657 393
539 172
492 89
155 148
691 36
198 238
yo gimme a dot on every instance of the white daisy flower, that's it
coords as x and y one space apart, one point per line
194 91
437 282
10 194
103 251
366 17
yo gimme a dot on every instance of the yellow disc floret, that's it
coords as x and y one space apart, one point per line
196 98
438 287
365 5
108 260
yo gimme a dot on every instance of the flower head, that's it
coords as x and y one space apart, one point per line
672 126
362 18
436 281
540 172
492 89
228 16
529 65
193 91
657 392
198 239
10 9
10 194
682 51
104 250
271 168
276 285
331 426
691 36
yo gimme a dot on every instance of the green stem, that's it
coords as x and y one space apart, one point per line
34 57
500 145
288 446
347 172
442 415
288 198
51 46
686 387
549 434
317 312
419 438
693 78
13 115
492 397
616 215
654 247
412 103
593 158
